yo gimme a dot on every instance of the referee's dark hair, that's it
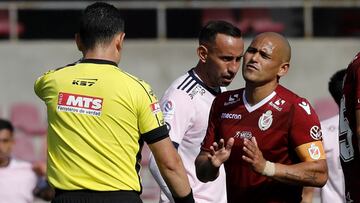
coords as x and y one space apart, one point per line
99 23
212 28
336 85
6 125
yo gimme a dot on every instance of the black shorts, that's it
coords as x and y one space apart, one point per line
90 196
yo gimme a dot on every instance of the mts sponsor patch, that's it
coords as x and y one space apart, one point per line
155 107
82 104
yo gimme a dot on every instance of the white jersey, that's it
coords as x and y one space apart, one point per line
17 182
334 190
186 105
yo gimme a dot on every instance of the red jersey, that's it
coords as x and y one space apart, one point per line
282 123
349 150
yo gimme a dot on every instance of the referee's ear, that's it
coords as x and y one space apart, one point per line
78 42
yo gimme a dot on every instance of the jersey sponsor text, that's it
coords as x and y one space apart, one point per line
82 104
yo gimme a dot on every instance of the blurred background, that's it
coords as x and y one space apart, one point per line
161 42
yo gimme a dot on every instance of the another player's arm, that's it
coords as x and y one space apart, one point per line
207 163
357 114
307 195
307 173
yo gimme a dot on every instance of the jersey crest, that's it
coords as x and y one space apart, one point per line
265 120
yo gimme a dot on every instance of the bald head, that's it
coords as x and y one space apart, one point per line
280 44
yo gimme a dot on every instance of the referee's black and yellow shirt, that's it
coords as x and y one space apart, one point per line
98 117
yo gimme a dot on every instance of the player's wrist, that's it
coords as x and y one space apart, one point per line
269 169
187 199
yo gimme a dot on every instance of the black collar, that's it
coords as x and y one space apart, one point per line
99 61
211 90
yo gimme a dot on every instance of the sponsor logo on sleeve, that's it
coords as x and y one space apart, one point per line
265 120
306 107
315 132
314 151
155 107
75 103
168 109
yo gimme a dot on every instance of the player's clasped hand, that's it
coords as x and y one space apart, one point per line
253 155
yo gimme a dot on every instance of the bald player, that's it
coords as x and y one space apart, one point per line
267 137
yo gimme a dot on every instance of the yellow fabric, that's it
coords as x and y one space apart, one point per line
311 151
96 115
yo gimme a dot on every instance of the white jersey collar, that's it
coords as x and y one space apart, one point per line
250 108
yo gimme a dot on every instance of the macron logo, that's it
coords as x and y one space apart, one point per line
79 104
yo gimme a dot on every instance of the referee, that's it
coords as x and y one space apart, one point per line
99 118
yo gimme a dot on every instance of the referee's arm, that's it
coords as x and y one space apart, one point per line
172 169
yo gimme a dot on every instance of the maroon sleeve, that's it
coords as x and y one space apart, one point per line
356 63
209 138
305 125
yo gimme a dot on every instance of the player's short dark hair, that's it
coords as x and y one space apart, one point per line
212 28
336 85
6 125
99 23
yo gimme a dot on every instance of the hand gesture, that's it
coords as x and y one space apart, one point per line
253 155
219 153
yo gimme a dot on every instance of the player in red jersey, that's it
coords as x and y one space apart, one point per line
349 130
268 138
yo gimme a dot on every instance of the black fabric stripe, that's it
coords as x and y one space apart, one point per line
212 91
151 101
99 61
156 135
138 162
183 81
68 65
192 86
187 84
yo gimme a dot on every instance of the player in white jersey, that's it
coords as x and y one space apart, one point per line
186 105
334 189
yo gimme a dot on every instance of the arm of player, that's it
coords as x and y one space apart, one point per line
357 114
208 163
306 173
172 170
158 178
307 194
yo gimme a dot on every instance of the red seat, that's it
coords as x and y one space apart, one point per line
24 148
27 118
218 14
259 20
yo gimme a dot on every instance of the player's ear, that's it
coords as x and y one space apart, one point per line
79 44
202 53
284 68
119 40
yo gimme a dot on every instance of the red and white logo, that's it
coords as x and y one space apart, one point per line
314 151
82 104
155 107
